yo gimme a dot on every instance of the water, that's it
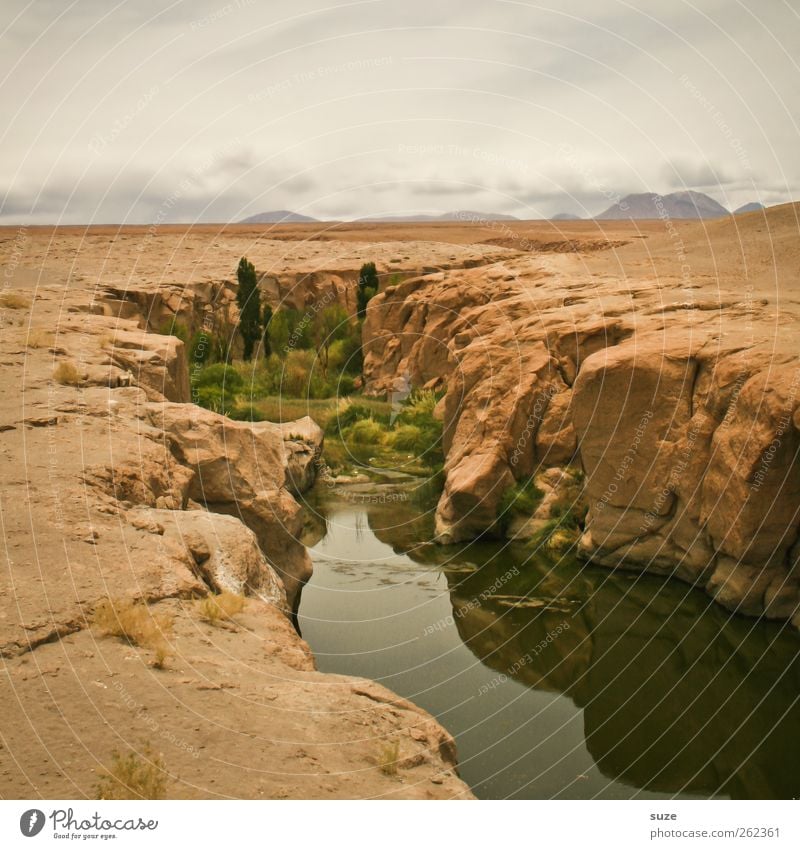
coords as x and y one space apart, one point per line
557 680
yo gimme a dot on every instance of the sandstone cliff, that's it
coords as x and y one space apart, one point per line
667 369
116 489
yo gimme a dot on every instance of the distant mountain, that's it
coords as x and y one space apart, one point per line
565 216
675 205
753 206
457 215
277 216
471 215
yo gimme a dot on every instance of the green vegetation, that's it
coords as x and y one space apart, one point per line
368 283
248 299
388 757
173 327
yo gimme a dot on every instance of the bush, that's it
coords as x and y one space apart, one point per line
407 437
218 608
135 623
364 432
202 347
521 499
14 301
388 758
248 413
347 414
132 777
171 327
68 374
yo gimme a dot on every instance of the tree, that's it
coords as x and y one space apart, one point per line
266 319
329 325
367 286
248 298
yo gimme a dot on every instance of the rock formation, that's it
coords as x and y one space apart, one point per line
667 370
115 490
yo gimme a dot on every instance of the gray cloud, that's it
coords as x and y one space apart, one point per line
215 110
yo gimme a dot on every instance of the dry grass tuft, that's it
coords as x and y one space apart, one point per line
136 623
388 757
68 374
41 339
134 777
14 301
218 608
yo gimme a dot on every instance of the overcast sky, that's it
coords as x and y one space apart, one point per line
147 111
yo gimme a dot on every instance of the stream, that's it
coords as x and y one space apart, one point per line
557 679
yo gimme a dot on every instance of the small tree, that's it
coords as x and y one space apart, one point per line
367 286
249 300
266 319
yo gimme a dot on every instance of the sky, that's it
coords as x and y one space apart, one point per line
149 112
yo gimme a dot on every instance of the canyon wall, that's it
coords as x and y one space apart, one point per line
669 375
118 491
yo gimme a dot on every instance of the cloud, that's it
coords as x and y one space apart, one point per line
255 106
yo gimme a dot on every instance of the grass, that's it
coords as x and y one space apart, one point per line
220 608
41 339
364 432
134 622
14 301
134 777
388 757
67 373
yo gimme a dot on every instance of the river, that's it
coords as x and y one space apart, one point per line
557 679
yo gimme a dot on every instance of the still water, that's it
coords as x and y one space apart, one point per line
558 680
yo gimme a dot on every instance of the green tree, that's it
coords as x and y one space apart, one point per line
329 325
367 286
266 319
248 298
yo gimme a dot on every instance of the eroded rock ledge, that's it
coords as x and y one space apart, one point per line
115 488
678 396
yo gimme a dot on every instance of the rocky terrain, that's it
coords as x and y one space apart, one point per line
118 491
665 368
656 358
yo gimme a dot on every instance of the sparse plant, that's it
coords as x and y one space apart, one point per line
41 338
220 608
136 623
67 373
14 301
521 499
133 777
388 757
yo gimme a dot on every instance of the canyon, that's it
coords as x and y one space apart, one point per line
651 365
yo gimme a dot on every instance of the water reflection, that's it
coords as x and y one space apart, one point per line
676 695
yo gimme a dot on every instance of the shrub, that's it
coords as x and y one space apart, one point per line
202 347
218 608
172 327
417 412
135 623
41 339
68 374
247 413
132 777
407 437
388 757
14 301
364 432
521 499
348 413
